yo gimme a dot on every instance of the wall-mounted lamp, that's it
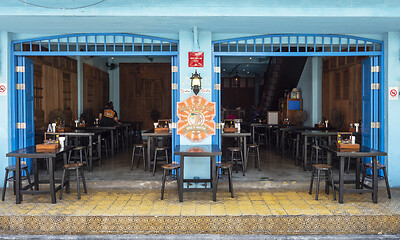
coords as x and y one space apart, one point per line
195 82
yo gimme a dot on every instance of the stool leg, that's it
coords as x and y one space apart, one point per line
166 155
140 150
81 155
387 183
144 159
163 184
78 183
133 158
4 187
155 163
232 157
62 184
230 182
318 179
312 180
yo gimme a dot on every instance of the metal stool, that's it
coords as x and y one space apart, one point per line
163 148
235 157
224 166
378 167
255 153
13 169
79 174
327 169
82 150
317 155
141 148
169 167
105 143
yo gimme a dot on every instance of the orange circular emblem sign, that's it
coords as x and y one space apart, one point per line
196 116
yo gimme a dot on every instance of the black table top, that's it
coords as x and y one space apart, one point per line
236 134
364 152
198 150
81 132
316 133
152 133
30 152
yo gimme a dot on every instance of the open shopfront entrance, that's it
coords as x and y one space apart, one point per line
58 58
362 57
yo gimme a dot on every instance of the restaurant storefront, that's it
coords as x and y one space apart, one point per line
170 36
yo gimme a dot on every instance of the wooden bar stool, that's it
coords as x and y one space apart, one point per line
169 167
255 153
140 153
165 150
237 155
328 176
379 167
224 166
13 169
77 167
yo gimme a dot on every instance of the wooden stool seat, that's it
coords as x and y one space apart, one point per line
139 145
234 149
168 167
322 166
171 166
379 166
73 166
224 165
162 148
252 145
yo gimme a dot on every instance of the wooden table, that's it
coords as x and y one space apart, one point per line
30 152
242 136
364 152
151 135
210 151
90 134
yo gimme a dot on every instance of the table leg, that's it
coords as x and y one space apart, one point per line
112 143
99 148
357 173
253 134
149 139
52 184
67 184
90 164
305 160
18 195
297 148
375 180
283 143
213 177
341 179
277 139
180 189
245 153
35 174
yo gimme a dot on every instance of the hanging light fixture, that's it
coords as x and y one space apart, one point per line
195 82
235 80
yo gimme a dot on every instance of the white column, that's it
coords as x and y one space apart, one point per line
316 95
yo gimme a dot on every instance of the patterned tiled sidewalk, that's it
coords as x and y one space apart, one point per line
262 211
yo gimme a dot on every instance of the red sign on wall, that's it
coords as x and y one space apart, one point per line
196 59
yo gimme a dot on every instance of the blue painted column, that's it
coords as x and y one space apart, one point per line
316 96
392 79
5 120
80 86
196 167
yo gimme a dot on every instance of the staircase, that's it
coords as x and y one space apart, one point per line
283 74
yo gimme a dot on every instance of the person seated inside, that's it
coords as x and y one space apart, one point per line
108 116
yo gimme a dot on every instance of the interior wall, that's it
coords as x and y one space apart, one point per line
95 91
144 88
305 86
341 90
241 96
55 84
